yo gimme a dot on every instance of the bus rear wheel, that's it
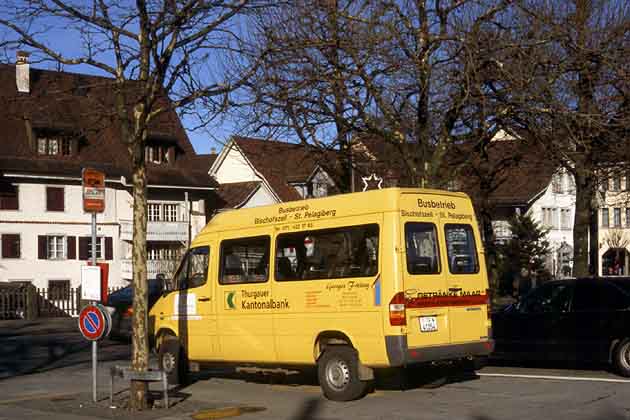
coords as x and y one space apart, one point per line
338 374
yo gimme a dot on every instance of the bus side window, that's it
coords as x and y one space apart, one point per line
245 260
328 253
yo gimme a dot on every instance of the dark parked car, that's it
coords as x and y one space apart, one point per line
571 320
122 302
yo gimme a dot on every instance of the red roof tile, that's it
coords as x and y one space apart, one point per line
282 163
233 195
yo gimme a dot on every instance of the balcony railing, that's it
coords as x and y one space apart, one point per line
157 231
154 267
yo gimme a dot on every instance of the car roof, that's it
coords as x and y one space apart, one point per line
623 282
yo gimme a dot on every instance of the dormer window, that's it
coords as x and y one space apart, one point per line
159 154
54 146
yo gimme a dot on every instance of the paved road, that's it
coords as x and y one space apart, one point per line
62 390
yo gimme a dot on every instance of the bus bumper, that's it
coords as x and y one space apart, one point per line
399 354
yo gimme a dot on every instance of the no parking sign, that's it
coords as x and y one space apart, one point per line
94 322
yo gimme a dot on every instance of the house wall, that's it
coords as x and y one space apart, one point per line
32 220
261 197
548 210
235 168
612 236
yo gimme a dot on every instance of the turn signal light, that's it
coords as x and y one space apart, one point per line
128 313
397 314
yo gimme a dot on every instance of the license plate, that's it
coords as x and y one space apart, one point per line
428 323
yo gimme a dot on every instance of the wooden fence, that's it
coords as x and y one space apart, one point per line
27 302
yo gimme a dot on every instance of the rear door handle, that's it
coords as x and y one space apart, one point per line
203 299
454 289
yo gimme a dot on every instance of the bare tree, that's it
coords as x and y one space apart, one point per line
567 79
153 51
382 69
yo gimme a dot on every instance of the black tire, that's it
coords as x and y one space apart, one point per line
621 358
477 363
338 374
171 360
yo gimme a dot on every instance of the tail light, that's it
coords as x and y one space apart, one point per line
397 315
128 313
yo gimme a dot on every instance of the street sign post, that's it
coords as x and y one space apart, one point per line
95 322
93 202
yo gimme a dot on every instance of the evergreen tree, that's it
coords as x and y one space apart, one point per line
523 255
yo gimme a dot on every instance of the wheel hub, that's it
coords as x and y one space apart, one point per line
338 374
625 359
168 362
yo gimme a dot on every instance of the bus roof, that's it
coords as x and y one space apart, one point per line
340 205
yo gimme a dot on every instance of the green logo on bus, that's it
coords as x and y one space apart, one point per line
229 300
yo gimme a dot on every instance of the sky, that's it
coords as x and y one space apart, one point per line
204 140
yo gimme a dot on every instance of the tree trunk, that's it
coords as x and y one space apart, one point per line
140 341
584 196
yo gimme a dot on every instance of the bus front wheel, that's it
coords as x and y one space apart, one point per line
338 374
171 360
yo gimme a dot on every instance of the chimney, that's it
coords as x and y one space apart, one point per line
22 72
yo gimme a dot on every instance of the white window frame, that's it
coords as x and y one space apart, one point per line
152 217
99 248
58 241
556 183
617 217
170 212
565 218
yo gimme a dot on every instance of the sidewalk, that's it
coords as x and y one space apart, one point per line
66 394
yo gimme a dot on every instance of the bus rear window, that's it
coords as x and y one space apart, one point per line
460 245
422 248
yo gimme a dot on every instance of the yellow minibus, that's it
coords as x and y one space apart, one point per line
349 283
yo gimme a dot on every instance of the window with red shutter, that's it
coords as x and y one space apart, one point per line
9 197
54 199
109 248
10 246
42 250
72 247
84 243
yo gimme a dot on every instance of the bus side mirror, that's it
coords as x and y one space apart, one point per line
164 284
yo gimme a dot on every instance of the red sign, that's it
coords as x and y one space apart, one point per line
93 190
92 322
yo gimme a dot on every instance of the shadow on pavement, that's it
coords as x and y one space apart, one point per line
28 347
385 379
309 410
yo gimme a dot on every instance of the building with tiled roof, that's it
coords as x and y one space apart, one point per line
55 125
253 172
521 179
